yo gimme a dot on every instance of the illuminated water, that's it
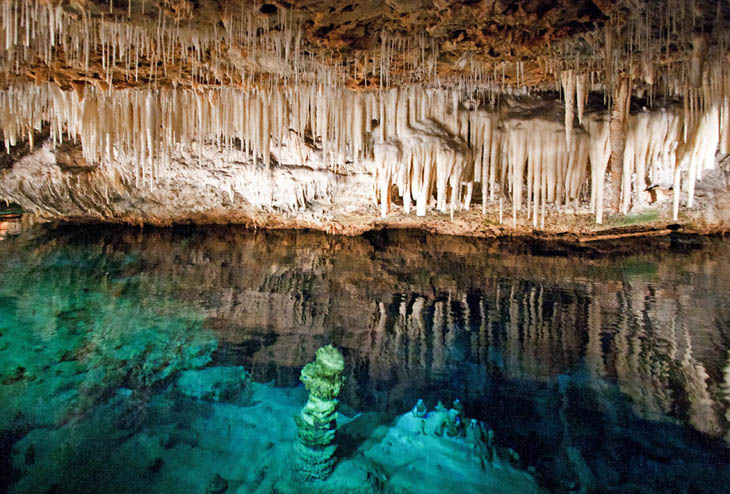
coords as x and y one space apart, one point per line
605 374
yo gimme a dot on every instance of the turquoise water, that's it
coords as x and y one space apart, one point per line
168 360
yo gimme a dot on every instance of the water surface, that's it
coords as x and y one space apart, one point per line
608 373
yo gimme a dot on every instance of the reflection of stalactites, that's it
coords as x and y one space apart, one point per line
451 330
726 393
493 315
400 334
532 322
623 352
594 354
382 324
641 372
416 332
535 348
535 333
481 341
467 314
702 414
512 345
654 361
439 355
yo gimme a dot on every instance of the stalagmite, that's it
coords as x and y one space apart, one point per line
317 421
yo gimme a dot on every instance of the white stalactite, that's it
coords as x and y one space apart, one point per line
426 146
568 81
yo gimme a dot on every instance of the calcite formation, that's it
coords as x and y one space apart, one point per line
450 425
432 107
317 422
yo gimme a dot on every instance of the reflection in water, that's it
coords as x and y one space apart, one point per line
726 392
572 359
10 224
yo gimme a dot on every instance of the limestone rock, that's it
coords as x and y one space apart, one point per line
217 485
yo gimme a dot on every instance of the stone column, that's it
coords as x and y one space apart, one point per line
317 422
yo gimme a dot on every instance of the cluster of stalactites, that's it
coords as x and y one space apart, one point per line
431 146
661 46
245 48
660 142
435 152
248 44
148 124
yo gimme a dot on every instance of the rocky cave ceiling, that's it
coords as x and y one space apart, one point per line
365 43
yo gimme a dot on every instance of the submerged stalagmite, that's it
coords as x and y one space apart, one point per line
317 422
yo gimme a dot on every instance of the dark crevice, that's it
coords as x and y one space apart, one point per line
323 31
268 9
22 149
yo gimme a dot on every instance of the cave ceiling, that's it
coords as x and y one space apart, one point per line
360 44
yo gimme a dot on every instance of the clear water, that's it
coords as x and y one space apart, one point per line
605 373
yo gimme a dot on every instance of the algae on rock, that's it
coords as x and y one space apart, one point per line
317 421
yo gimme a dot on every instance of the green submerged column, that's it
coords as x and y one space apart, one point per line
317 422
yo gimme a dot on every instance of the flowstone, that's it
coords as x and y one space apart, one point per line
317 421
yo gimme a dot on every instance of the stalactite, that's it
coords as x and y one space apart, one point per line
581 94
697 153
599 152
430 146
617 133
568 81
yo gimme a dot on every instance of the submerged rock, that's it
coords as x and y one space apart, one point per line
156 465
419 410
218 384
217 485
